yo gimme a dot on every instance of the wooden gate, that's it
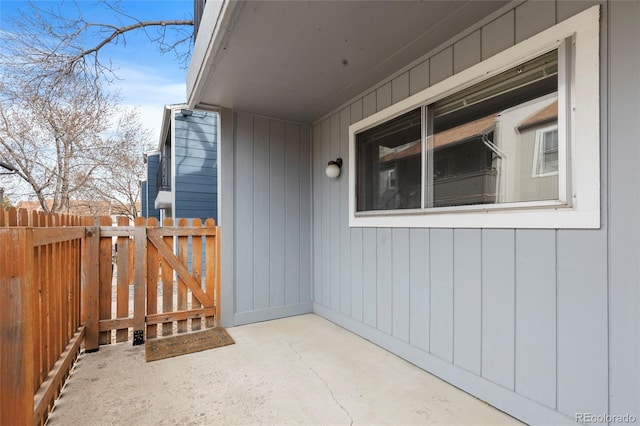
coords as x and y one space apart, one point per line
151 280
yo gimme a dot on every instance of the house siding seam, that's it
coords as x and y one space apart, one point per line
522 316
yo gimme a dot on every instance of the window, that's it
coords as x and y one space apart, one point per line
390 149
545 162
510 142
479 145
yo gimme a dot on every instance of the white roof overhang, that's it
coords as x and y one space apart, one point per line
299 60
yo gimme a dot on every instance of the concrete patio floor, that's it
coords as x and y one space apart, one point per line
300 370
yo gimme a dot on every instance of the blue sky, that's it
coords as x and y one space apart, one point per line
147 78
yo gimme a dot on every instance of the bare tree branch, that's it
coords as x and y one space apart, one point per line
56 123
48 46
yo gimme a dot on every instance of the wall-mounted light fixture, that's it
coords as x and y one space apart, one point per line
186 112
333 168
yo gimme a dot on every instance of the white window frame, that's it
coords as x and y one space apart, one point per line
578 206
538 152
392 176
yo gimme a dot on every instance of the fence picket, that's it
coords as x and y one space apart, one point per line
106 280
139 279
12 217
16 288
183 244
55 294
211 252
92 290
196 249
38 330
167 284
153 266
122 295
45 318
23 217
63 264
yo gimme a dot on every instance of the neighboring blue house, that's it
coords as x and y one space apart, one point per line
485 222
182 172
148 186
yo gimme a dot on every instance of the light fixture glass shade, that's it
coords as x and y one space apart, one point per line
332 170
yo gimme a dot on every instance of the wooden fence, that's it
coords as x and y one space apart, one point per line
68 280
40 302
143 286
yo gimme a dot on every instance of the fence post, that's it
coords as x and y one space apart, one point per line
212 273
16 324
105 285
91 289
218 276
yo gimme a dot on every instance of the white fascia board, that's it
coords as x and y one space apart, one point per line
215 25
167 115
164 127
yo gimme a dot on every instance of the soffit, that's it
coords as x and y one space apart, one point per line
300 60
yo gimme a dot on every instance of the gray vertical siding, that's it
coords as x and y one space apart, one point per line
498 306
343 215
149 210
144 202
497 35
370 280
227 217
304 178
196 176
334 218
467 300
356 265
271 218
441 293
292 206
261 215
277 203
318 171
244 213
536 321
419 289
624 207
400 283
541 323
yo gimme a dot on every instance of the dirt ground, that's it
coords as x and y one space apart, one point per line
300 370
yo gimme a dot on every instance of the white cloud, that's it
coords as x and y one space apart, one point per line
150 90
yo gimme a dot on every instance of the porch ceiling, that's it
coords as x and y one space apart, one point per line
299 60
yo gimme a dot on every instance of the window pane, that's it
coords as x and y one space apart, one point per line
546 160
551 140
388 164
483 142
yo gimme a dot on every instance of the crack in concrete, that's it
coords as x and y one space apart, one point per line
323 381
